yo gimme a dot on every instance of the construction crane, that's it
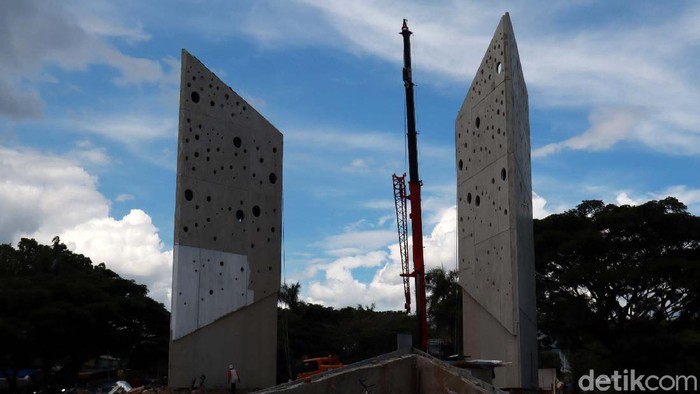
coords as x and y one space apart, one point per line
414 186
402 226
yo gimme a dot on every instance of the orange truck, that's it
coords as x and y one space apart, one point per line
314 366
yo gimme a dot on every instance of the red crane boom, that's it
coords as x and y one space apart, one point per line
414 185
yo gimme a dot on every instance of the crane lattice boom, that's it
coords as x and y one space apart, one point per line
402 226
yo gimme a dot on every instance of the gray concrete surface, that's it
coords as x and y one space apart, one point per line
398 372
496 247
228 215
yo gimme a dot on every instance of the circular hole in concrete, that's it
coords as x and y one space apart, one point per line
503 174
195 97
461 165
211 292
469 198
208 198
256 211
477 122
240 215
221 263
185 229
477 201
189 195
273 178
237 142
499 67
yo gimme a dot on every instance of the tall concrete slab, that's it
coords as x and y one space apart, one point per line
228 217
496 247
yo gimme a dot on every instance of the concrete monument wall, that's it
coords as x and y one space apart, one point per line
228 216
496 247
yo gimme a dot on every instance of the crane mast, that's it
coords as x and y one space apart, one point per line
414 186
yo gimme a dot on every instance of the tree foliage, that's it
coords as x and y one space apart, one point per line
289 295
57 308
444 299
619 286
311 330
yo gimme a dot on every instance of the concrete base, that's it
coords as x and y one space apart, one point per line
495 342
191 355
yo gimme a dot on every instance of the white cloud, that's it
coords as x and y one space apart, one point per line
124 197
607 128
440 247
73 37
362 240
128 129
637 67
688 196
96 156
339 287
539 209
45 193
623 199
43 196
130 246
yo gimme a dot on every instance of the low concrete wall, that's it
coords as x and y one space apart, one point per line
434 376
397 372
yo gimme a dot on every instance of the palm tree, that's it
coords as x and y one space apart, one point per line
444 304
289 295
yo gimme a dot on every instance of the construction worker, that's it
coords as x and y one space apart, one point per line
233 378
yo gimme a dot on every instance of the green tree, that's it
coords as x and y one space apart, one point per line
354 334
57 308
618 287
444 299
289 295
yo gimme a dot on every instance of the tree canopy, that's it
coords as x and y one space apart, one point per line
445 308
307 330
618 287
58 309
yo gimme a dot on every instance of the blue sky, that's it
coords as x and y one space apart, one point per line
89 103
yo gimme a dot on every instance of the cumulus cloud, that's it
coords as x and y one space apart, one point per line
623 199
539 209
43 196
130 246
339 286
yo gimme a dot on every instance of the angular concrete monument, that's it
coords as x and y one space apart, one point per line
496 251
228 217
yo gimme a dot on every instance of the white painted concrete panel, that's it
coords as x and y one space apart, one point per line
185 290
